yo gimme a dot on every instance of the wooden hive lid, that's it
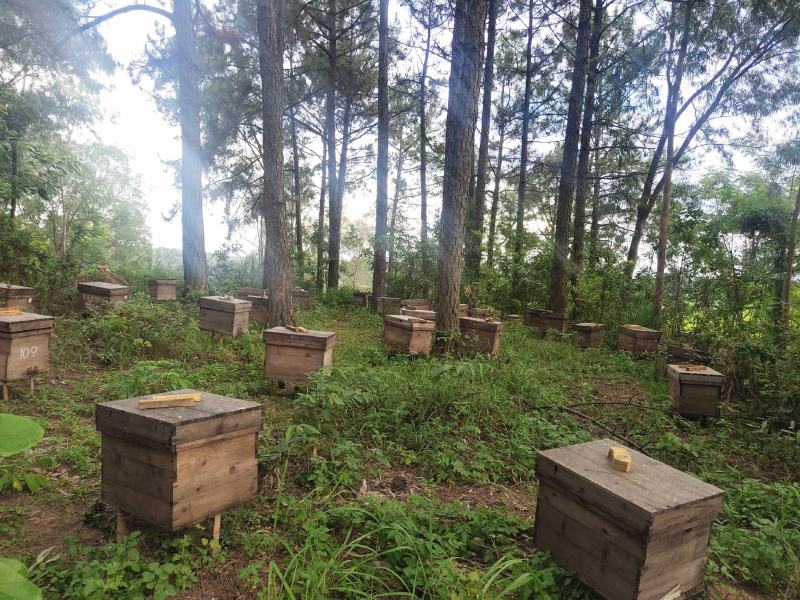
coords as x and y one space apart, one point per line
389 298
25 322
301 292
640 331
213 415
543 312
225 304
251 291
8 290
697 374
101 288
261 300
429 315
480 323
303 339
588 326
642 498
409 322
163 282
416 302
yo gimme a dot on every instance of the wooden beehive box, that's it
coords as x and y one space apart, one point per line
16 296
290 355
589 335
243 292
672 354
176 466
388 306
480 334
225 315
302 298
163 289
417 303
546 320
638 340
100 296
259 312
636 535
361 298
407 335
695 390
428 315
24 345
463 310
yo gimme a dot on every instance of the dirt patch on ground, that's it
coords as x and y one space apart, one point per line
219 583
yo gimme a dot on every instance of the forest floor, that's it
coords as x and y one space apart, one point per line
392 477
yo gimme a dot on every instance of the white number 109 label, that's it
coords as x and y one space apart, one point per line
28 352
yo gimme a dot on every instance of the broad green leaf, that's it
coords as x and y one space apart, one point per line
18 434
13 584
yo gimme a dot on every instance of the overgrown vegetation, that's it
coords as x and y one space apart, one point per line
408 477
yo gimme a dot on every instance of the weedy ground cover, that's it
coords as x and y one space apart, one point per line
391 477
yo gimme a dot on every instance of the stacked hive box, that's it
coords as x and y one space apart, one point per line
243 292
638 340
225 315
428 315
163 289
695 390
101 296
671 354
388 306
259 311
480 334
16 296
589 335
361 298
546 320
176 466
291 354
636 535
24 345
417 303
302 298
407 335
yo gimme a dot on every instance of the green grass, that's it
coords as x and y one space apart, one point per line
468 424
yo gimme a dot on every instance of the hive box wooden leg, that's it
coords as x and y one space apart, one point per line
215 535
5 391
122 527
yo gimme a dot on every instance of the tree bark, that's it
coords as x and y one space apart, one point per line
476 214
12 211
382 198
674 81
423 136
398 186
566 187
334 215
298 212
195 268
498 177
582 181
320 274
462 108
791 246
594 228
277 263
516 273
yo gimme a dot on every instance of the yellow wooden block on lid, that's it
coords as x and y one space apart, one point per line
169 401
620 459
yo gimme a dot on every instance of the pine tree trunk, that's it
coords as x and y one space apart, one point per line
423 136
334 228
462 108
12 211
298 212
566 187
398 186
320 273
476 214
277 262
519 233
594 228
195 269
498 178
382 199
582 181
791 246
673 98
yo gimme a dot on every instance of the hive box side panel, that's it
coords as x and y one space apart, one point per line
227 323
213 501
481 340
23 356
292 363
406 340
694 399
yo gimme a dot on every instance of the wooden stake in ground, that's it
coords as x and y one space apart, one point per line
122 527
215 534
5 391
